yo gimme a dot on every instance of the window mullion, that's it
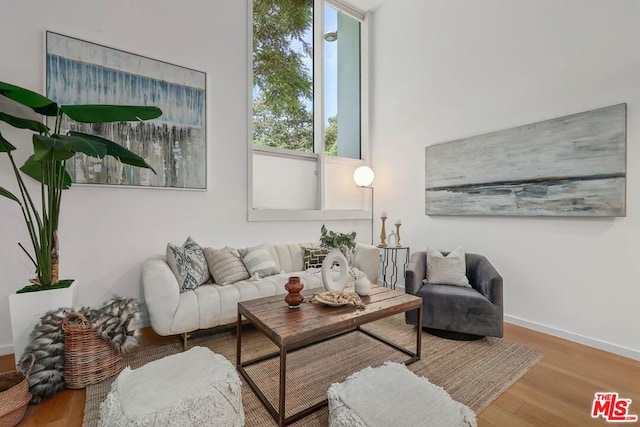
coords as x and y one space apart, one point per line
318 97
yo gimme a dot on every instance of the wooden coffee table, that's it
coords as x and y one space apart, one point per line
315 323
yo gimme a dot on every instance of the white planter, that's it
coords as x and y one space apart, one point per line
27 309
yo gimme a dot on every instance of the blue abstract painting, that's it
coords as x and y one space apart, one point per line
568 166
79 72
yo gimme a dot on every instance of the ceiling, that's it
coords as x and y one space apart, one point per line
364 5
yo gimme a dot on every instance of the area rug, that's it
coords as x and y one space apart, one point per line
472 372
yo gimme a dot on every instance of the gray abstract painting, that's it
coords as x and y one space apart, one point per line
79 72
568 166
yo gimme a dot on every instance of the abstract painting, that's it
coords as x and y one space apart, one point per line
79 72
567 166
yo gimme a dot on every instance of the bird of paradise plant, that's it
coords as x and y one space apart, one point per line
51 151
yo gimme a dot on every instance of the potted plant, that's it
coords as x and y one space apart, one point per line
337 244
46 165
332 240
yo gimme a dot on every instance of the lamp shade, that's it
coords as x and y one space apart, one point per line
363 176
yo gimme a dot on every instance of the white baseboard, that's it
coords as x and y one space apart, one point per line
581 339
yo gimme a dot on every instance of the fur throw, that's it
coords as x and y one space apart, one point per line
117 322
47 346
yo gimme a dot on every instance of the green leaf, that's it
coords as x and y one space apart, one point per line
47 148
20 123
118 151
110 113
8 194
5 146
33 100
331 239
33 168
80 144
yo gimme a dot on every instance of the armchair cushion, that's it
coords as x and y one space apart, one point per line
446 270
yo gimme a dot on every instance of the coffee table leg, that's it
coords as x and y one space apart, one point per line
419 333
283 380
238 339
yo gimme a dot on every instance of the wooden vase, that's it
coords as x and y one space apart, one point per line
294 286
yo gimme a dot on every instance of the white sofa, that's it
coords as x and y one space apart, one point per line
211 305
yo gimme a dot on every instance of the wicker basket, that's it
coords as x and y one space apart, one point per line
14 396
88 359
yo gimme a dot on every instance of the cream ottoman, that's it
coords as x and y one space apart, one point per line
392 395
193 388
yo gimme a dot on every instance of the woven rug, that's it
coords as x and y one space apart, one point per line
472 372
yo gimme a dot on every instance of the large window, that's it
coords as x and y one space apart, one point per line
306 105
341 40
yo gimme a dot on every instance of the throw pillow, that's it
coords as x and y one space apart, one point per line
188 264
225 265
313 257
449 270
258 261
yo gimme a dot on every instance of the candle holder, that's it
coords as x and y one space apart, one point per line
398 235
383 234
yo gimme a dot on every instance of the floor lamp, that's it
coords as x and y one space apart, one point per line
363 177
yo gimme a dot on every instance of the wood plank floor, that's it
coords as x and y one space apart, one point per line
558 391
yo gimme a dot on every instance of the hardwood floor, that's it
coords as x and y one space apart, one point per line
558 391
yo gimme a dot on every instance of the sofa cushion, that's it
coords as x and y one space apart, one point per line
446 270
258 261
188 264
288 257
313 257
225 265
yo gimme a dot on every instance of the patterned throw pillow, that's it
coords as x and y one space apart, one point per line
258 261
313 257
225 265
188 264
449 270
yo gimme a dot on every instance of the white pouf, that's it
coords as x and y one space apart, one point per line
196 387
392 395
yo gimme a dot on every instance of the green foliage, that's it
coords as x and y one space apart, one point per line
109 113
278 68
330 239
269 129
284 84
46 165
331 137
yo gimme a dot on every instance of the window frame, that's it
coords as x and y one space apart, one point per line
318 125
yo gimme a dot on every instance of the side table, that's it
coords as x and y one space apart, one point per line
390 264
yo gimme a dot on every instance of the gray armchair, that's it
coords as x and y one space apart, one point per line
475 311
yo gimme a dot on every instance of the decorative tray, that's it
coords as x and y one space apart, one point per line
333 298
338 299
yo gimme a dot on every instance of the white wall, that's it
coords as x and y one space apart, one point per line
106 233
443 70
